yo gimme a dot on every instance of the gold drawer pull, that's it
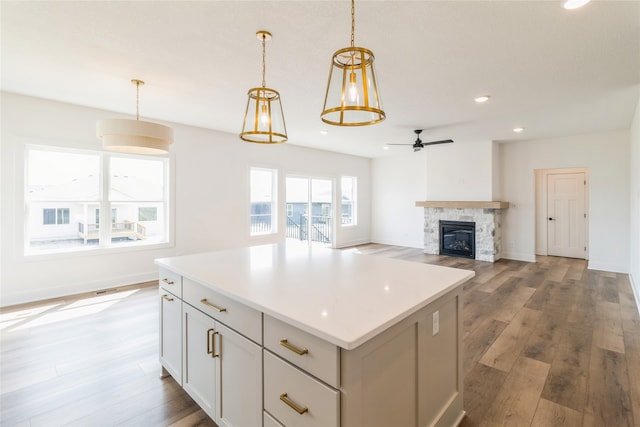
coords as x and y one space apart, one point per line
215 307
167 297
296 350
292 405
211 343
167 281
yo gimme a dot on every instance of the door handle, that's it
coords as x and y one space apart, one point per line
550 219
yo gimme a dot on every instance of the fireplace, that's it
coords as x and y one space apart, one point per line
458 238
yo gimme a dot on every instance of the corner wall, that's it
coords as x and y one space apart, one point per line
211 198
606 155
398 182
634 197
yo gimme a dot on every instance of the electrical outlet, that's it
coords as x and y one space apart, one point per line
436 323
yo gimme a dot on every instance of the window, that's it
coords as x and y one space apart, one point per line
55 216
263 201
114 215
80 190
348 184
147 214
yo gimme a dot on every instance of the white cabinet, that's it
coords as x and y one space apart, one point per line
222 371
171 324
171 335
240 380
257 349
201 367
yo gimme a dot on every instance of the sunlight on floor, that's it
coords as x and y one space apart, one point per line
48 314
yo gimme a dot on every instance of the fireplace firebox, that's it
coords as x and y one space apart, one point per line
458 238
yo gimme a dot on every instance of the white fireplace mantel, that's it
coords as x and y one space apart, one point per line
462 204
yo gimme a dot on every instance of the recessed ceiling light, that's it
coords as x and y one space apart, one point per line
386 147
574 4
518 129
482 99
323 132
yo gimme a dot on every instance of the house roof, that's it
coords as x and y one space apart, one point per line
552 71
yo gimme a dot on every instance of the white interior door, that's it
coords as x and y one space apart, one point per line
566 215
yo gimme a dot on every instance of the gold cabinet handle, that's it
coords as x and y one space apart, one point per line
215 307
167 297
210 341
292 404
167 281
296 350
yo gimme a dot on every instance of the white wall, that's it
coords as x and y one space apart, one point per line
634 196
211 172
398 182
461 171
606 155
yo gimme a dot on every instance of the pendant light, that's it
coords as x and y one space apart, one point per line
352 97
263 118
134 136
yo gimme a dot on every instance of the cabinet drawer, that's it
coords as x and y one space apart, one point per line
289 391
320 358
170 282
243 319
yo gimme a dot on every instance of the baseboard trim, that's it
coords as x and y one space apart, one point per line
515 256
405 243
350 243
635 288
612 268
77 288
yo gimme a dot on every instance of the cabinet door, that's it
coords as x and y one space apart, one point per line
240 380
171 334
201 359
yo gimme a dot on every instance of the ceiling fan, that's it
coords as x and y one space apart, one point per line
419 145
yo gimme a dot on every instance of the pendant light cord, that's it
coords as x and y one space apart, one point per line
264 80
353 21
137 100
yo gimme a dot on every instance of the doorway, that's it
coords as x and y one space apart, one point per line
561 212
309 209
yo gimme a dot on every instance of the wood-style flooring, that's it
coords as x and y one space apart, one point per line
545 344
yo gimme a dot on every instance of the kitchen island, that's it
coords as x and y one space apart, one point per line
288 335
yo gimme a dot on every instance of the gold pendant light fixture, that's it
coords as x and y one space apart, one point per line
352 97
134 136
263 118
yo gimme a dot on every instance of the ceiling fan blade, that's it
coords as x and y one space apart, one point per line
444 141
399 144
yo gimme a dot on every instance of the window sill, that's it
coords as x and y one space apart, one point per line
97 251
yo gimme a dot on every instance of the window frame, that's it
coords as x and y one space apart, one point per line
105 245
354 201
274 202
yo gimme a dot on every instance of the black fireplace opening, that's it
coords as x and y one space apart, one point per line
458 238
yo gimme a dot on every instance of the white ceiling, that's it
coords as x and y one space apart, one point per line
554 72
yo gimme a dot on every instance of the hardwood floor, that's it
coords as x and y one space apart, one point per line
546 344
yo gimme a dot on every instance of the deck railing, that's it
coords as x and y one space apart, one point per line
127 229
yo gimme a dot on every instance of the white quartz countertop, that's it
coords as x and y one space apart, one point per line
341 296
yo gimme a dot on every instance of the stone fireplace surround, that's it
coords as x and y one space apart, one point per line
486 215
